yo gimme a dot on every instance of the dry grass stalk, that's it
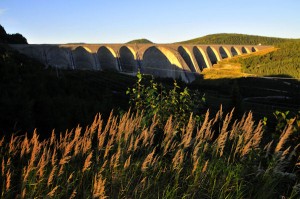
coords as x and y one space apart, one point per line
130 147
178 159
8 180
239 146
51 175
53 138
145 137
61 170
234 130
136 143
196 151
23 193
2 141
222 138
95 124
226 122
168 129
87 162
195 165
127 162
12 145
200 132
267 148
258 135
99 187
167 147
54 157
205 166
64 160
286 133
41 165
108 147
155 121
35 151
148 161
117 157
188 133
87 145
52 192
3 167
74 193
248 127
70 177
219 115
25 148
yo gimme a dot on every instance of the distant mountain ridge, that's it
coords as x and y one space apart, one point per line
236 39
140 41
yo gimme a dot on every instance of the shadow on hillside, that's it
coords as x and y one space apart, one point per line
32 97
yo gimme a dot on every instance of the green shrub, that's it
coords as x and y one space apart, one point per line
154 99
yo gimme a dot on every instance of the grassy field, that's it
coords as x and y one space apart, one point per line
122 158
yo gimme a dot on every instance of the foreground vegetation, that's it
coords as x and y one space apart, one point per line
123 158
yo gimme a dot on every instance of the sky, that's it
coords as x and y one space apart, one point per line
161 21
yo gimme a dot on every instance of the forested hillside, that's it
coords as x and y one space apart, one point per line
236 39
11 38
140 41
283 62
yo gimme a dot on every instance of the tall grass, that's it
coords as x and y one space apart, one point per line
122 158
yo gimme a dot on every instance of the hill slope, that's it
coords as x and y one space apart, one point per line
236 39
11 38
140 41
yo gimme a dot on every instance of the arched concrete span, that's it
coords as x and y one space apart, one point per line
245 50
35 52
224 52
187 57
235 51
108 59
201 58
128 59
253 49
213 55
162 62
59 57
83 59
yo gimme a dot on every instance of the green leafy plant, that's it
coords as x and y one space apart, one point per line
154 99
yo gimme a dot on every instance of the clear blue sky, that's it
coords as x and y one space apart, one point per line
161 21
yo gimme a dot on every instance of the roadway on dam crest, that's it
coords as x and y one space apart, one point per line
178 61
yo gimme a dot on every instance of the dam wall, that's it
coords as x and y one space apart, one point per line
178 61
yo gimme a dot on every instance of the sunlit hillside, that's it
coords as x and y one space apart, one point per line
236 39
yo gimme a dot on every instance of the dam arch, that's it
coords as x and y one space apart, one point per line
245 50
253 49
201 58
58 57
187 57
162 62
128 60
234 51
212 54
224 52
107 59
83 59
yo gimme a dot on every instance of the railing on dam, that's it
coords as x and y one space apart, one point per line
163 60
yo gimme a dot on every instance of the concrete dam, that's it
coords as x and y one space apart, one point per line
177 61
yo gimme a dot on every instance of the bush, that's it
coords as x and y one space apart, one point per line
156 100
